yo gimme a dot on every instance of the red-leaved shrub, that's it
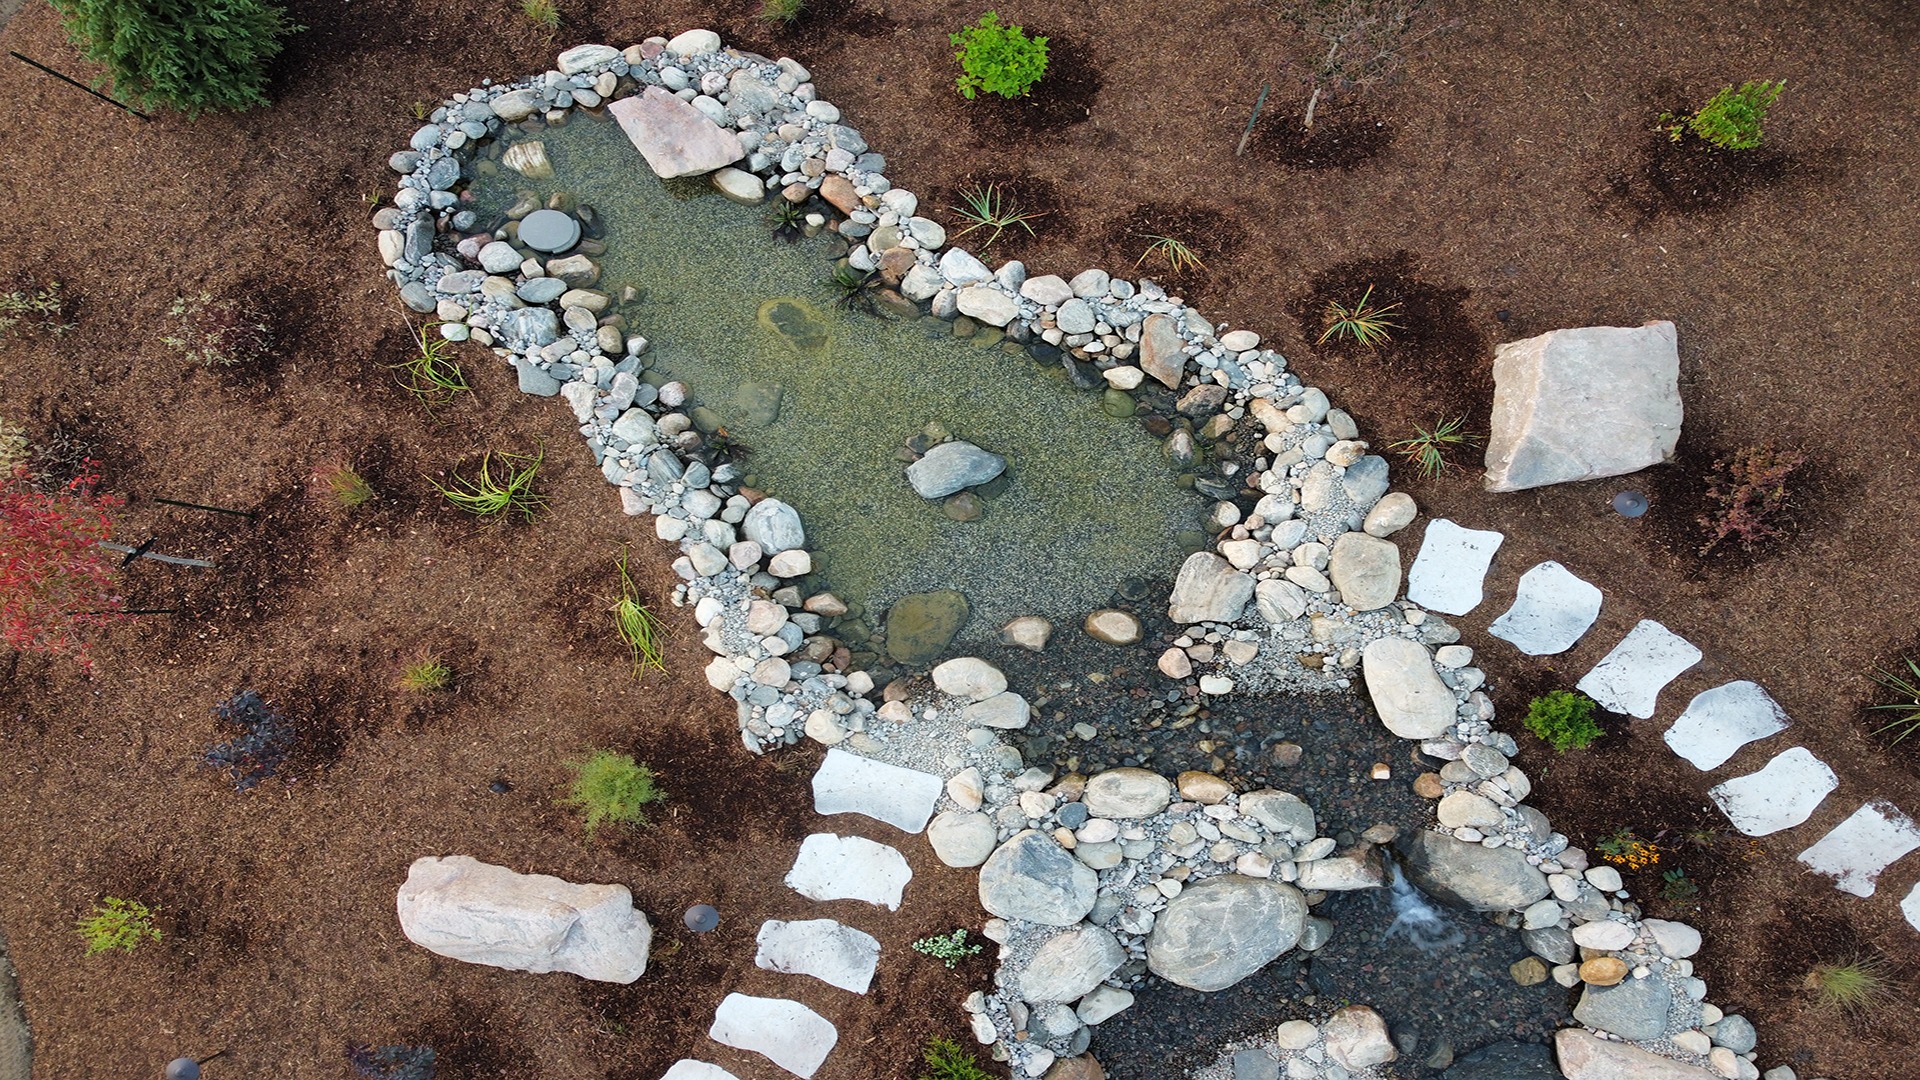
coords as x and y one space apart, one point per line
55 579
1749 491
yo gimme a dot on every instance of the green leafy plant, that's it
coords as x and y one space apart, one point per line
788 219
998 59
544 14
1858 986
1427 450
426 675
1365 322
190 55
1676 887
117 924
949 949
219 333
948 1060
782 11
988 207
1750 494
431 373
853 288
34 308
611 787
1563 719
637 627
1178 256
1731 119
349 489
1906 703
496 492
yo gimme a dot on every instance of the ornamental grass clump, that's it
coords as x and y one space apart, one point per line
1563 719
998 59
1366 322
1857 987
117 924
1905 705
637 627
190 55
496 492
1427 450
611 787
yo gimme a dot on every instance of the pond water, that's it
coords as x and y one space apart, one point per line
824 399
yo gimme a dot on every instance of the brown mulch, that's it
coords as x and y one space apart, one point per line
1520 179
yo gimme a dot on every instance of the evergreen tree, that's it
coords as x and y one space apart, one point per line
190 55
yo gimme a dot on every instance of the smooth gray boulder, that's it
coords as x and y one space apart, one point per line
1127 793
1209 589
1032 877
1224 929
1472 876
1407 693
1366 570
463 908
1281 813
951 467
675 138
962 838
1635 1009
1068 966
1582 404
775 526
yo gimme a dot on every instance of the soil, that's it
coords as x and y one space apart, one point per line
1522 181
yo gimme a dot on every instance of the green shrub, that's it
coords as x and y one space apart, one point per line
782 11
190 55
117 924
1731 119
611 787
948 1060
998 59
1563 719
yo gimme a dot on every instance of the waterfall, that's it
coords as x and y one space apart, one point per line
1425 926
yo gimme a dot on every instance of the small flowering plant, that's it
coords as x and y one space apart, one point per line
1629 852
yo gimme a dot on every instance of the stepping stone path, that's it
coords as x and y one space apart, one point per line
849 868
1781 795
1720 721
786 1033
835 954
851 784
1854 853
1910 907
689 1069
1550 613
1629 679
1452 564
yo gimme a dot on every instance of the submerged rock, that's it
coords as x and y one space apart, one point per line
1472 876
921 625
951 466
1224 929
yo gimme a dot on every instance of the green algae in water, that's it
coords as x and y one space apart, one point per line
825 398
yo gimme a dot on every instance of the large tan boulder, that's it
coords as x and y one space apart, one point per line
484 914
1582 404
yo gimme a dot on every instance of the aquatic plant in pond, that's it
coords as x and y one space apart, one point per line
823 401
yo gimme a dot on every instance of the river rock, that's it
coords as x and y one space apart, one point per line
739 185
675 138
775 526
988 304
1584 403
1068 966
1209 589
1163 351
1635 1009
1007 711
1030 632
1472 876
969 677
1394 511
1366 570
1113 626
1356 1037
1407 693
951 466
1585 1056
1281 813
1083 1067
1505 1061
463 908
921 625
1224 929
1032 877
962 838
1127 793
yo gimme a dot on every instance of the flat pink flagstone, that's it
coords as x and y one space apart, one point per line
675 138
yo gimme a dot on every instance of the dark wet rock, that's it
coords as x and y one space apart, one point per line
1472 876
1505 1061
921 625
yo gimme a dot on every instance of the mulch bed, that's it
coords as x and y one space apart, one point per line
1521 180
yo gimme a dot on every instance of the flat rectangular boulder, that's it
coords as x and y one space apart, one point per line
1582 404
675 138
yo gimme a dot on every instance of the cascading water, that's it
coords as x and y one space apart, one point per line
1414 916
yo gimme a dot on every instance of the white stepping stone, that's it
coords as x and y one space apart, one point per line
849 868
1910 907
1854 853
851 784
1451 566
1784 793
1629 679
835 954
784 1032
689 1069
1550 611
1720 721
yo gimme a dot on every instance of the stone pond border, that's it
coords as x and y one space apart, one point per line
1308 573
